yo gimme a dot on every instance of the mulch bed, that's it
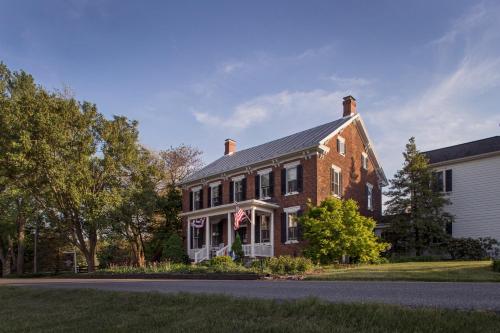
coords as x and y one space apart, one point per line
170 276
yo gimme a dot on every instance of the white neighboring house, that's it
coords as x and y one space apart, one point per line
469 174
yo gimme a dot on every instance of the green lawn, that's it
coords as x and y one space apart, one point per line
477 271
38 310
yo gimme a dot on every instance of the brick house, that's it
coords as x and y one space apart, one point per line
273 183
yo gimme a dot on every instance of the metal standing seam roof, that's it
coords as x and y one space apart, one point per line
270 150
468 149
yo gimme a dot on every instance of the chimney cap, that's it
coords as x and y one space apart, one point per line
349 97
228 139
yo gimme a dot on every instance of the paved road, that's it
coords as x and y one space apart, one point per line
484 296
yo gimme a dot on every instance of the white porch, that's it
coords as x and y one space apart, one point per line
217 234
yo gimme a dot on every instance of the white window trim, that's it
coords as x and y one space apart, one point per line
238 178
339 170
215 184
268 228
370 205
291 164
290 210
263 173
341 139
364 157
196 188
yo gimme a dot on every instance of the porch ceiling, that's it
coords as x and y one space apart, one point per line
229 208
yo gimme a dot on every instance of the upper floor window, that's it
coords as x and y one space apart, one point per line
336 181
443 180
341 145
364 160
264 184
291 178
196 198
238 190
215 194
369 196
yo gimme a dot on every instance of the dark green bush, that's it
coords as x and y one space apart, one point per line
113 254
285 265
470 248
174 251
223 264
237 248
496 265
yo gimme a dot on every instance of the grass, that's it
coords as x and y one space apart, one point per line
45 310
450 271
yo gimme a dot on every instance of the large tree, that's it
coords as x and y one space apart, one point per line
415 206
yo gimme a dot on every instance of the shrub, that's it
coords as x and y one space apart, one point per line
113 254
284 265
336 229
470 248
174 251
496 266
223 264
237 248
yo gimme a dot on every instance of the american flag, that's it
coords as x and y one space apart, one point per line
239 216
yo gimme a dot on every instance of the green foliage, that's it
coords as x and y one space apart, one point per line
174 251
284 265
335 229
237 248
496 266
416 209
216 266
223 264
470 248
112 254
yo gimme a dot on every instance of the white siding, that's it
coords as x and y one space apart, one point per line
475 197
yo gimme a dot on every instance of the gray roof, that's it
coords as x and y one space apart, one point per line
469 149
270 150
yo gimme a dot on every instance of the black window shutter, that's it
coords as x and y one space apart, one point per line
299 225
231 191
283 227
209 197
332 178
283 181
271 184
257 186
244 186
190 200
300 178
257 229
341 184
449 180
220 194
201 198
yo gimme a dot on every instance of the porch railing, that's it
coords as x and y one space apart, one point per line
223 251
261 250
198 255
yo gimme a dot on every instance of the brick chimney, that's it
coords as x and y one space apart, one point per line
349 106
229 146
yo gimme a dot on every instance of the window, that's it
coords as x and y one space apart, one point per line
238 190
264 229
443 180
197 200
197 237
364 160
265 186
336 181
369 196
291 180
341 145
215 199
292 234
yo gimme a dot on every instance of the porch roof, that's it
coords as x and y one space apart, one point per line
227 208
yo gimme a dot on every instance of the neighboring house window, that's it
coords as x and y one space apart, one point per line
265 186
264 229
364 160
369 196
336 181
341 145
238 190
443 180
215 194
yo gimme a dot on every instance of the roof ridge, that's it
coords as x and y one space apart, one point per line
462 144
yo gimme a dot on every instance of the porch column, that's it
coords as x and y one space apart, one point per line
271 234
188 234
229 230
207 235
252 234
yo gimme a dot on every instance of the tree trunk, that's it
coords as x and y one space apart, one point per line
6 257
21 223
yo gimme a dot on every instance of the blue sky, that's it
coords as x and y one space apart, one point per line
197 72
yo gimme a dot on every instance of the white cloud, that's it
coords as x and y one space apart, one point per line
285 104
230 67
350 81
